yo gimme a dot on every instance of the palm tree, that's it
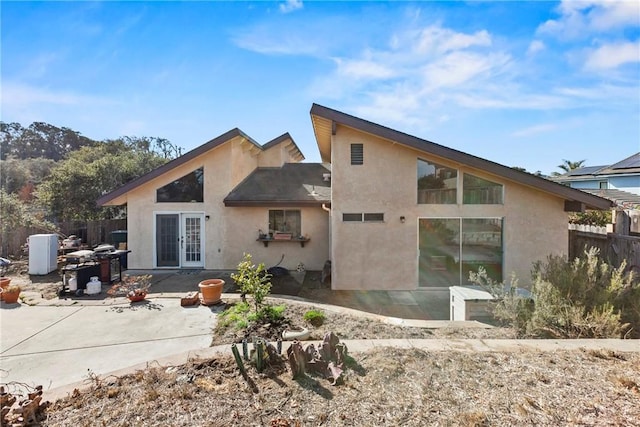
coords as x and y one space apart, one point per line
568 166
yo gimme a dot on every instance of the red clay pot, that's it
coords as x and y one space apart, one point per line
211 291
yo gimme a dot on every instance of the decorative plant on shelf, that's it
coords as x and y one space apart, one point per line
133 287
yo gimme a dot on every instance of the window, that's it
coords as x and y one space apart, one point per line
352 217
373 217
357 154
478 191
436 184
363 217
189 188
604 185
450 248
285 221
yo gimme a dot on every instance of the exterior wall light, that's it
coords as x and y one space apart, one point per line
402 219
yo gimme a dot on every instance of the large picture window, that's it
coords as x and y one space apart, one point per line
285 221
189 188
437 184
452 247
478 191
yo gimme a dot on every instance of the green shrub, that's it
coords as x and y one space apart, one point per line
235 315
268 313
315 317
583 298
253 280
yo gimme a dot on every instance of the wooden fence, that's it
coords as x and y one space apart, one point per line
92 234
614 248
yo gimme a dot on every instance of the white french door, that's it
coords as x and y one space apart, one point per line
191 252
179 240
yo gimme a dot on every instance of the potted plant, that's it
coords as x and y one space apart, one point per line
133 287
10 294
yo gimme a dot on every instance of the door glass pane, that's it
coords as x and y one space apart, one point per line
482 247
167 227
192 239
439 245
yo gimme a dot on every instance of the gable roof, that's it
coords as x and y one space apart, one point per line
210 145
293 184
325 121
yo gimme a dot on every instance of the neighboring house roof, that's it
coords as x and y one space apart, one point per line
293 184
325 121
586 170
623 199
630 165
225 137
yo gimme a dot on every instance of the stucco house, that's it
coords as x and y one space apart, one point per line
390 210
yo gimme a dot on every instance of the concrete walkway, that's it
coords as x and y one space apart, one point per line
54 346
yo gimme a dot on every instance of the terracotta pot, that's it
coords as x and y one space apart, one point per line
211 291
4 283
10 297
137 297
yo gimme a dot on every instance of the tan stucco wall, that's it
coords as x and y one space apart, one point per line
276 155
246 221
224 167
385 255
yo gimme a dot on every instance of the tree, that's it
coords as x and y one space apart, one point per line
39 140
16 214
71 190
15 174
568 166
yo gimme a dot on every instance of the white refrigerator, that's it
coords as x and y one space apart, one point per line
43 253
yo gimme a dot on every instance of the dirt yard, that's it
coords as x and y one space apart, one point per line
382 387
386 386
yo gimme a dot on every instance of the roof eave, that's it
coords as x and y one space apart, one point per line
225 137
275 203
434 149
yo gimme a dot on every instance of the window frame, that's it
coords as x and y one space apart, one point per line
362 217
466 197
198 192
422 198
272 221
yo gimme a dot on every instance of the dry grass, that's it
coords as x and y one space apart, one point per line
387 386
382 387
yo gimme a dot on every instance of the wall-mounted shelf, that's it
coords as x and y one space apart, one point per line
267 241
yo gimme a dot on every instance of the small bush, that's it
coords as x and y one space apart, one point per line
268 313
235 315
314 317
583 298
253 280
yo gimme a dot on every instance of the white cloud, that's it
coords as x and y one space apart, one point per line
579 19
435 39
613 55
17 95
535 46
258 41
364 68
290 6
534 130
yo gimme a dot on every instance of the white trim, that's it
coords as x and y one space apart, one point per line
202 241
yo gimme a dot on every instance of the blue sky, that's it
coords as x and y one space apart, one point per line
522 84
